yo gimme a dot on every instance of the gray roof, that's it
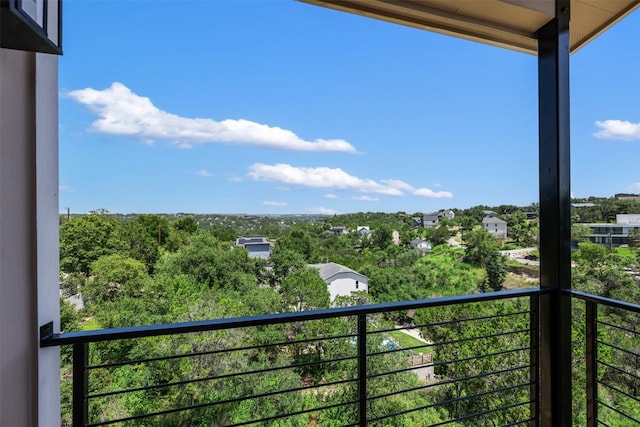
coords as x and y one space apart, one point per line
244 240
493 220
418 241
328 270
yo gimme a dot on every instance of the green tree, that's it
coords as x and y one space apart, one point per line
634 238
522 231
482 251
496 267
142 245
480 246
303 290
284 262
299 240
382 237
580 232
438 235
84 239
185 223
115 276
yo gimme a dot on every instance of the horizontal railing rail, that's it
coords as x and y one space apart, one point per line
483 368
278 318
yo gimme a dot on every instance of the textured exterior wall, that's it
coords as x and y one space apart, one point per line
28 239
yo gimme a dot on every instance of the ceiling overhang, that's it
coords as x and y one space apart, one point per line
512 24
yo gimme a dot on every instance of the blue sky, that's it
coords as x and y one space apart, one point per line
276 106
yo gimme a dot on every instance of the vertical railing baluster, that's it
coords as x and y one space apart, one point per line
80 384
534 345
362 370
591 335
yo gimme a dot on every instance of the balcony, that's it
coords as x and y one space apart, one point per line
336 367
539 362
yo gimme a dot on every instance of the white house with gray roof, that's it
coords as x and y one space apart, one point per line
495 226
341 280
420 244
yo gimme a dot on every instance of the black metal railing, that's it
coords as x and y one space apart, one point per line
339 367
612 358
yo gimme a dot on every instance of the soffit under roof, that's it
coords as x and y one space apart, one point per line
511 24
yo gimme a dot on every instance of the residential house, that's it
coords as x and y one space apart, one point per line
447 214
430 220
363 230
256 246
339 230
420 244
495 226
341 280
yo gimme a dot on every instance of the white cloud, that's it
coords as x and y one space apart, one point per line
320 177
65 188
396 183
123 112
618 129
272 203
324 177
330 196
425 192
366 198
323 211
635 186
203 172
235 179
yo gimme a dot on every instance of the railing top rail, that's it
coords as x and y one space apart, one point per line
278 318
635 308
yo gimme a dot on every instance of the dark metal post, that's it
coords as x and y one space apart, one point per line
555 219
362 370
80 384
591 336
534 370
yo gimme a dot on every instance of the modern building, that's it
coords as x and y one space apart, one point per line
614 235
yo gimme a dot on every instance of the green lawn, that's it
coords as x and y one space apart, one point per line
403 340
629 253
